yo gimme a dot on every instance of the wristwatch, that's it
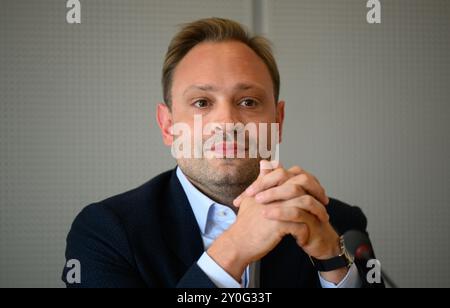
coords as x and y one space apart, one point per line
343 260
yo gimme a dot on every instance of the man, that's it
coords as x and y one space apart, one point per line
217 221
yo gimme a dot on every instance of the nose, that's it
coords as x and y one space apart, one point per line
227 112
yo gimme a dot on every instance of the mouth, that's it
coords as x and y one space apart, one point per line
228 149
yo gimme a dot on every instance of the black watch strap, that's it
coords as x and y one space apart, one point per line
330 264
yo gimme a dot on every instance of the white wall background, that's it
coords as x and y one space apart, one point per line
368 113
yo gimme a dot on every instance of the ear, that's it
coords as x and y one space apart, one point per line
280 117
165 123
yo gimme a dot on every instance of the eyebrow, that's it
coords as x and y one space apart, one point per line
211 88
202 87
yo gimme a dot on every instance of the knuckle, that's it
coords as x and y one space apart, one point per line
296 169
277 174
309 177
309 200
303 178
283 173
294 189
324 193
279 171
275 212
303 234
297 214
304 229
261 183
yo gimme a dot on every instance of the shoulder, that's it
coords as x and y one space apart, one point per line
345 217
111 216
135 200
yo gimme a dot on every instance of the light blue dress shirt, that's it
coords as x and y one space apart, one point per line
213 219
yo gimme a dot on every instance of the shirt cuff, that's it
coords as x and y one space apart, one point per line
217 274
351 280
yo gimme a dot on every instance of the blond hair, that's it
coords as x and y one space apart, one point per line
214 30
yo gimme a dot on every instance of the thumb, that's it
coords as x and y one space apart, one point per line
265 167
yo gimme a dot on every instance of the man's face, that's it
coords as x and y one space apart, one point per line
223 82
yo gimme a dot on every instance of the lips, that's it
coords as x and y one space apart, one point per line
227 148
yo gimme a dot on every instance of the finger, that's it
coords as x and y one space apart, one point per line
296 170
265 167
292 210
300 232
292 172
287 214
275 164
310 205
311 186
237 202
283 192
274 178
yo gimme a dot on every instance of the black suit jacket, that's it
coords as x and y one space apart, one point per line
148 237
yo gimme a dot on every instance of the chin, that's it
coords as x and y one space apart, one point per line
234 168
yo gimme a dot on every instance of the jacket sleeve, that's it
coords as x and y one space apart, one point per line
195 278
100 246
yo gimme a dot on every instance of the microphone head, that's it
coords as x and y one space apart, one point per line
358 245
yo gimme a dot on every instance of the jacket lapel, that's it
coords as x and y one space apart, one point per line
183 235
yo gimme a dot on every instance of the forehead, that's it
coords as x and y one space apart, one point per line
223 64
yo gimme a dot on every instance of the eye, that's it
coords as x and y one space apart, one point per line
248 103
201 104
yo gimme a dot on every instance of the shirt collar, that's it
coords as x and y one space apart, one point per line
200 203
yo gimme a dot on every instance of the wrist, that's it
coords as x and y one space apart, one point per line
334 265
333 249
226 253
